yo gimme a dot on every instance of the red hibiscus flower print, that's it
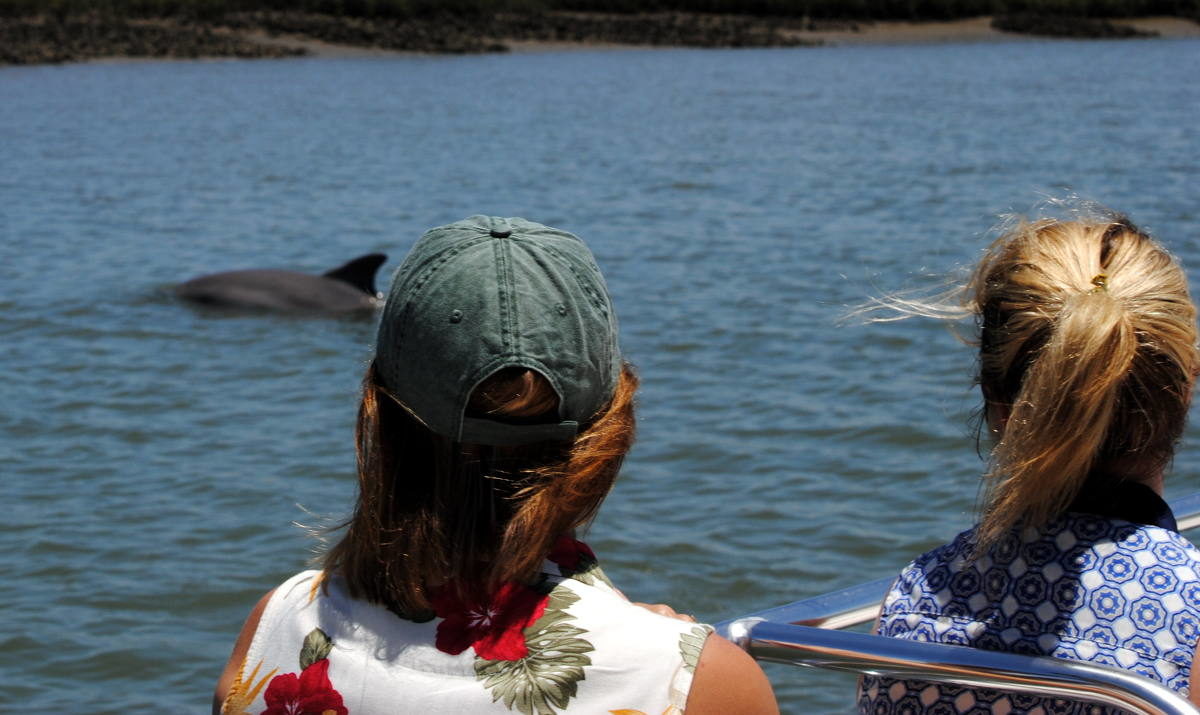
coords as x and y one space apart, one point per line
570 554
310 694
495 628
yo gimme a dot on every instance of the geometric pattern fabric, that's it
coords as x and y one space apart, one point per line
1083 587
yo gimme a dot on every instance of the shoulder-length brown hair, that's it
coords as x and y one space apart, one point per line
431 511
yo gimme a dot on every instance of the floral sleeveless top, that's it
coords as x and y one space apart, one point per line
1085 587
570 643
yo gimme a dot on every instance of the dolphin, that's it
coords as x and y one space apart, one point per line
345 289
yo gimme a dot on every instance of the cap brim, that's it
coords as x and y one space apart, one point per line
506 434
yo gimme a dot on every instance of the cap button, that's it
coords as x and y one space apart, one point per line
501 228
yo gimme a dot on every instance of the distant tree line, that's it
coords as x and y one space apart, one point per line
408 9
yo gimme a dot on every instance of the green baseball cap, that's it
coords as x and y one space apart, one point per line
484 294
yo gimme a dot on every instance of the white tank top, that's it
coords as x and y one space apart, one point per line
571 643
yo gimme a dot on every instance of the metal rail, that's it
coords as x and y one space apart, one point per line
805 633
956 665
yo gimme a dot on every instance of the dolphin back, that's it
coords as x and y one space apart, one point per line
347 288
359 272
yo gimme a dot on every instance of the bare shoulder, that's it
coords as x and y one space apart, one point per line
728 680
240 648
1194 684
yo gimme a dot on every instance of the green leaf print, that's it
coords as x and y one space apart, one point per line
587 571
690 645
316 647
591 574
549 676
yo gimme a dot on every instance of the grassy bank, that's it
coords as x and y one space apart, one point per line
45 31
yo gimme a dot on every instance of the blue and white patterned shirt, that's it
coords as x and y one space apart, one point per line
1084 587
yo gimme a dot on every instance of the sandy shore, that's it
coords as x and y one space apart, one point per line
284 34
977 29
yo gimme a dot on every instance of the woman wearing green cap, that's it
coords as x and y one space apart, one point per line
493 422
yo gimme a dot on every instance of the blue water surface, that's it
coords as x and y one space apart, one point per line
157 457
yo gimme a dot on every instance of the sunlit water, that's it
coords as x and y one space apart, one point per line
155 457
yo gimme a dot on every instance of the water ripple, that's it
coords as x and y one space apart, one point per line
156 456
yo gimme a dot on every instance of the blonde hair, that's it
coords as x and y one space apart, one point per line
1087 342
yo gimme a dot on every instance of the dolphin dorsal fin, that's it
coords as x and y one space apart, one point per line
359 272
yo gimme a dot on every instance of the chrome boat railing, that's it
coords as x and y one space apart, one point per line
805 633
846 651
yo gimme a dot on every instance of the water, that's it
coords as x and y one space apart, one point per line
156 457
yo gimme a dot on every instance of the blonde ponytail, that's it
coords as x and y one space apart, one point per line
1088 347
1087 355
1061 415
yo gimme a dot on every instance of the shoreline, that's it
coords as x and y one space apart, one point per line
876 33
276 35
979 29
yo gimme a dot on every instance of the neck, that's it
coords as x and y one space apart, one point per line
1120 474
1155 482
1137 501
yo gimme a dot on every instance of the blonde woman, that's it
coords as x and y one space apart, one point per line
1087 357
493 421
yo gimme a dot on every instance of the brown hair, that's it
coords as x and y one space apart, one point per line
433 511
1087 355
1088 343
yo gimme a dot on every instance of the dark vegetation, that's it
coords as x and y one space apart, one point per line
913 10
73 38
817 9
1029 23
65 30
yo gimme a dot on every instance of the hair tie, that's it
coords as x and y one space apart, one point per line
1100 283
